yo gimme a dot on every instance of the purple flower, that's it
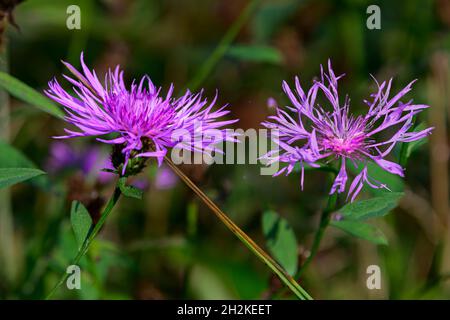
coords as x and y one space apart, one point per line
165 179
89 161
143 120
316 133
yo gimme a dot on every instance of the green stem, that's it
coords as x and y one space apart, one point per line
109 206
324 222
325 219
243 237
222 47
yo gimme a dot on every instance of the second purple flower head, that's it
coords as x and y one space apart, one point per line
315 133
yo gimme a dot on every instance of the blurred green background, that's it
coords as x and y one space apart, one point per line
169 245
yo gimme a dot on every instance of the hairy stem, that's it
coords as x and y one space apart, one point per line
84 249
243 237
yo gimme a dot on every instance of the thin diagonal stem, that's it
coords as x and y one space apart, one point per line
324 222
325 219
243 237
84 249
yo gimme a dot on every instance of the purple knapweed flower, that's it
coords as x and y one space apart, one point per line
165 179
143 120
324 133
89 161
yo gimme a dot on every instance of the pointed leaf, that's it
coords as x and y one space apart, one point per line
371 208
280 240
23 92
81 222
10 157
11 176
362 230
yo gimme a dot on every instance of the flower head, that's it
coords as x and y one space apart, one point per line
331 132
142 119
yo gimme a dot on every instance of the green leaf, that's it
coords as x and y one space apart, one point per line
23 92
129 191
255 54
81 222
10 157
371 208
280 240
362 230
414 145
11 176
355 213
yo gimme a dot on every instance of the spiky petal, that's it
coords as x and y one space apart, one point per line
314 134
138 116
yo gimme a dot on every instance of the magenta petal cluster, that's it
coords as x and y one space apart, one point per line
314 133
138 113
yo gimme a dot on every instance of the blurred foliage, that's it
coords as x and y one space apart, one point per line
169 245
